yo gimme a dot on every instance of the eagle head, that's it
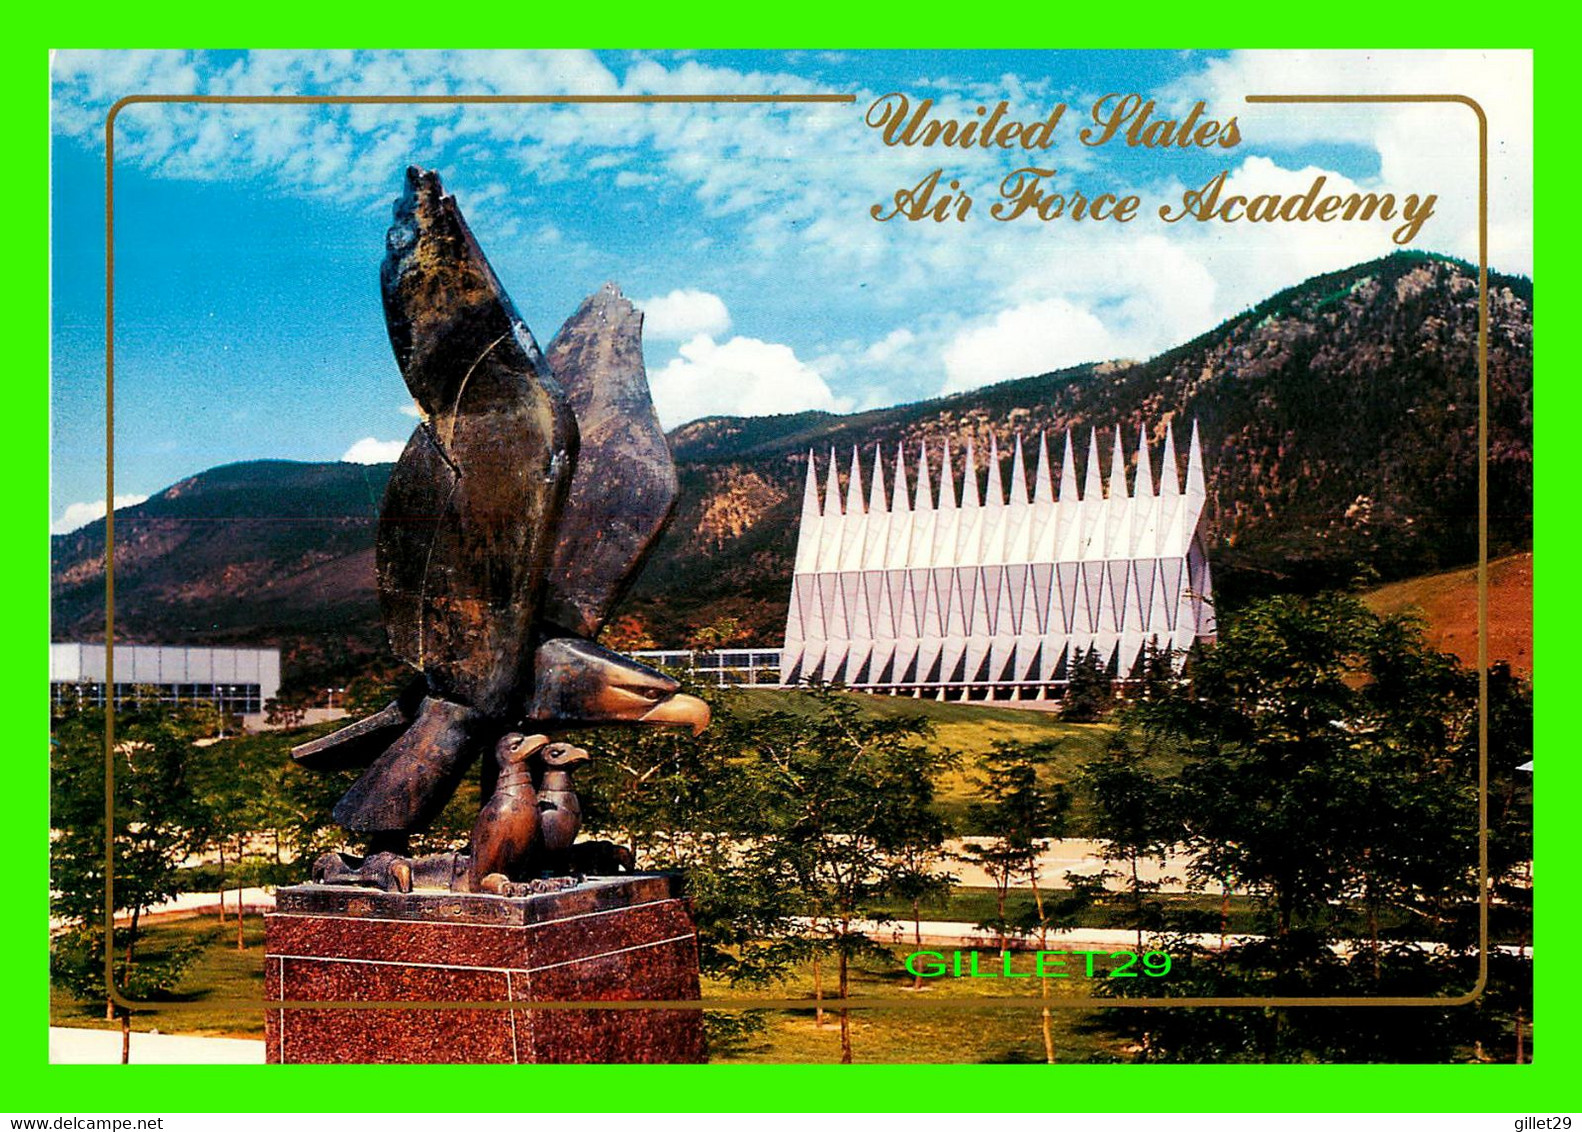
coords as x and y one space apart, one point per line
559 756
577 683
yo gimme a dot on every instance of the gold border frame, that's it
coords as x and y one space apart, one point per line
880 1003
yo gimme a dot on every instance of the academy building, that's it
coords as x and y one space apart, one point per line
980 592
235 680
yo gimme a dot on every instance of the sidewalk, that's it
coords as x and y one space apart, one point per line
103 1047
255 901
1080 857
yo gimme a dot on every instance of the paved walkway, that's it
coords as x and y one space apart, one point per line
1079 857
255 901
103 1047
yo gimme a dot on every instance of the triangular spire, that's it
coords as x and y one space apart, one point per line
875 538
1092 486
898 489
970 496
1043 488
1018 475
853 534
1117 483
1145 474
995 496
924 498
810 538
947 482
832 486
899 537
1194 478
1068 473
876 493
810 490
1169 475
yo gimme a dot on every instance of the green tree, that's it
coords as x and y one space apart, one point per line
1330 765
250 820
1089 689
917 875
1134 817
1024 815
1021 815
718 634
1157 672
845 794
285 711
1323 758
692 805
158 820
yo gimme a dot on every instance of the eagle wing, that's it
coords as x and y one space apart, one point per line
624 489
466 531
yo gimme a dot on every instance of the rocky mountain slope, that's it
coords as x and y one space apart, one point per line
1339 422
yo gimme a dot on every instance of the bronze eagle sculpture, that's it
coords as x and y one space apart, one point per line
530 493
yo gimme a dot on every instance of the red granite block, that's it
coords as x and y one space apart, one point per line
666 971
388 1036
339 980
595 933
350 937
569 1037
663 970
580 944
395 1037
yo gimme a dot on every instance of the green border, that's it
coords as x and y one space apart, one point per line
1548 1085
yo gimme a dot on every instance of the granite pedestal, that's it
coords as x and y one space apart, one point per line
626 939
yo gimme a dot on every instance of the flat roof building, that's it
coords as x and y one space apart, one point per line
236 680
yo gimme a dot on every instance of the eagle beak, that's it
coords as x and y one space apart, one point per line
680 709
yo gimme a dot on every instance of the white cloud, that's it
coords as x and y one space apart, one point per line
889 346
683 315
410 409
744 376
368 450
1224 268
1421 148
1023 340
81 514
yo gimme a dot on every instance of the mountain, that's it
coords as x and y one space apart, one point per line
1339 422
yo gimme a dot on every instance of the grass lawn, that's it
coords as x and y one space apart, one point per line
993 1032
207 1001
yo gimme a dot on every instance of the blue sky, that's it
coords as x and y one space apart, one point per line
248 239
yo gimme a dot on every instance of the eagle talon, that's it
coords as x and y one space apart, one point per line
496 884
385 871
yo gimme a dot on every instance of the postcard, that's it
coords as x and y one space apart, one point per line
768 557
